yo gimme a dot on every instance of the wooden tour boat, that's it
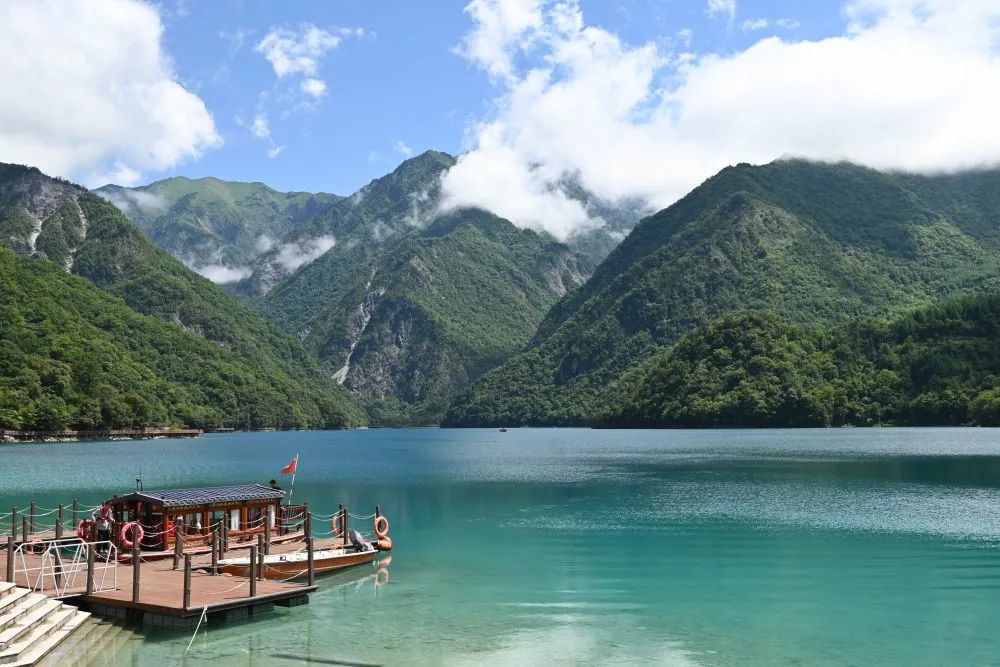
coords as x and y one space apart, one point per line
293 565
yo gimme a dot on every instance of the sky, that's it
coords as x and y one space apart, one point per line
631 98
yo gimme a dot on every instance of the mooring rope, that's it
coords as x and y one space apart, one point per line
204 614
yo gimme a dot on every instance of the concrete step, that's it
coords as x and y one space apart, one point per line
25 605
98 646
5 588
79 645
59 631
38 633
8 601
23 626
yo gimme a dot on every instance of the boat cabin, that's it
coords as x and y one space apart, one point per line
242 511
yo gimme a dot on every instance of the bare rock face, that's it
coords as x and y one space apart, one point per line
40 215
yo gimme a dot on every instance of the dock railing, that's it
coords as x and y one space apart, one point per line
58 568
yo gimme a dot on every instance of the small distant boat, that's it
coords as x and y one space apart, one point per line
285 566
503 429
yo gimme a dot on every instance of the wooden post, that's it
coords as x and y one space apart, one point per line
345 526
178 543
253 570
343 533
13 521
135 571
76 513
267 531
187 581
31 523
90 569
260 556
59 523
10 558
224 547
24 529
215 551
57 567
310 547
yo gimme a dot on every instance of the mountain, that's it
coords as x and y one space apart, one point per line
215 227
410 305
939 365
812 243
213 361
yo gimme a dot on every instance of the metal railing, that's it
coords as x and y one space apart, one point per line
59 566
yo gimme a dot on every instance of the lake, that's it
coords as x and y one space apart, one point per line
575 546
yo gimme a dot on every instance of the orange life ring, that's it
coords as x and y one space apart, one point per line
137 532
338 530
384 544
83 530
384 532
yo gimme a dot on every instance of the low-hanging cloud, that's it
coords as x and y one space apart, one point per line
295 254
131 201
108 113
910 84
222 274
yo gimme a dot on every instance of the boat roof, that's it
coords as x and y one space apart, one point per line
204 496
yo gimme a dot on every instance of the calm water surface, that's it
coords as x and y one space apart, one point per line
565 546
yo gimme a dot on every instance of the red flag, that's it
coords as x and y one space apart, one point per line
290 468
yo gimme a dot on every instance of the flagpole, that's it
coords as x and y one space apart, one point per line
294 471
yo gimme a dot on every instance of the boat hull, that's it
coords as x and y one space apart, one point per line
278 567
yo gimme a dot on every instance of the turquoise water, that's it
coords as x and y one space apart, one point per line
565 546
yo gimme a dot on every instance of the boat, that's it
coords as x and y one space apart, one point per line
293 565
503 429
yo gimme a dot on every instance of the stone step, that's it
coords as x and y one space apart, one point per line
51 639
38 632
5 588
8 601
24 605
24 625
78 647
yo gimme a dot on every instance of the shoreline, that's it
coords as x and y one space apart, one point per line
12 436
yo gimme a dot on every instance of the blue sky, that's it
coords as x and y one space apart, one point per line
402 81
638 99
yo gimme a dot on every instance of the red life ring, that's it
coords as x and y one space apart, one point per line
338 530
137 532
83 530
384 532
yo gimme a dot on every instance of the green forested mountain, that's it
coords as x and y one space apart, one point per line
812 243
937 365
410 305
212 224
236 368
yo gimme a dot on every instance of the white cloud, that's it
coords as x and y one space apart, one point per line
275 151
787 23
911 84
293 255
260 127
752 25
91 94
726 8
313 87
296 51
222 274
684 36
402 148
499 25
129 201
297 54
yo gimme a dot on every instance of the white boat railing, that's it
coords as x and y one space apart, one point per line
58 568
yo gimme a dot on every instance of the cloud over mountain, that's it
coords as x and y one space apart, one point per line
91 93
910 84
